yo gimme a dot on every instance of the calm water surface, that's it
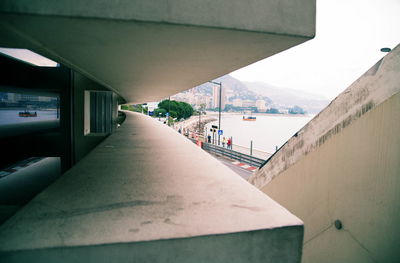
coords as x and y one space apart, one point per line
11 116
266 132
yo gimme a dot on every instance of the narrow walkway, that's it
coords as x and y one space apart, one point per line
144 193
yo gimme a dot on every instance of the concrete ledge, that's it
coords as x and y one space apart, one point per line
143 184
373 88
255 246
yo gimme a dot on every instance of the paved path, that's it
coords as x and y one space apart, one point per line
245 174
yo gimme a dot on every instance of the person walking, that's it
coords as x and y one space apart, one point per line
224 141
229 143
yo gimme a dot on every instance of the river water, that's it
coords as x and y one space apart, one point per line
267 132
11 116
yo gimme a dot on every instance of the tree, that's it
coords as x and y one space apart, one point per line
159 112
273 111
296 110
177 109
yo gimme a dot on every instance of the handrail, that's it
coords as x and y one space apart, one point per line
241 157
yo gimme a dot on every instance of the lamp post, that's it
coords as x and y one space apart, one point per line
219 113
169 109
199 121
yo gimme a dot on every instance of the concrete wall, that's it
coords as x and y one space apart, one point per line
354 177
373 88
85 143
345 165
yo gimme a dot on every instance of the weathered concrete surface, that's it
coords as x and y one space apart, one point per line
353 177
147 194
148 50
350 172
371 89
273 16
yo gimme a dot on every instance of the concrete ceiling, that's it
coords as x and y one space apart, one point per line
146 52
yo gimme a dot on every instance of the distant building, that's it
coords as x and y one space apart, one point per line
248 103
44 98
216 97
260 104
237 103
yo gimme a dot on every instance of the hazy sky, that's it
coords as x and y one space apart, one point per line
350 34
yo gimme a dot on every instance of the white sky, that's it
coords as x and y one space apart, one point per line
350 34
29 56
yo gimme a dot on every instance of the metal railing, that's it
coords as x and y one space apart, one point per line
241 157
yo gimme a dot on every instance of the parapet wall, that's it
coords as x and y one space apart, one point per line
340 174
374 87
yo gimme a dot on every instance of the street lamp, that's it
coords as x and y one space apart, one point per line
199 120
169 109
219 113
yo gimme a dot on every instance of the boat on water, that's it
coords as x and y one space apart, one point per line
249 118
27 114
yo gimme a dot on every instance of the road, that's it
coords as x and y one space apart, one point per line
237 169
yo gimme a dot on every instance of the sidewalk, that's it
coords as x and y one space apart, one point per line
256 153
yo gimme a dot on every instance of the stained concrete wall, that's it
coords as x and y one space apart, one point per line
354 177
345 166
373 88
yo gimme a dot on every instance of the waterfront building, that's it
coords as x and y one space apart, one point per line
248 103
261 106
237 103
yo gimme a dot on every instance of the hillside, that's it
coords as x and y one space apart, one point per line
276 97
284 97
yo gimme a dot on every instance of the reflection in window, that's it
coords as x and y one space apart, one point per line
20 107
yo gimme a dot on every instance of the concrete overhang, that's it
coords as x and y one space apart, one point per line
147 50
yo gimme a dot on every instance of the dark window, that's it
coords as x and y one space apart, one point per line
22 108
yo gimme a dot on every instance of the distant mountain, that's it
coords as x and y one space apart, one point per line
276 97
240 90
285 97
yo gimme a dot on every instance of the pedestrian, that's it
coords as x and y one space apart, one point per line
229 143
223 142
209 138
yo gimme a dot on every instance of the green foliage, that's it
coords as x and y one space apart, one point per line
159 112
173 114
136 108
296 110
125 107
177 109
273 111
